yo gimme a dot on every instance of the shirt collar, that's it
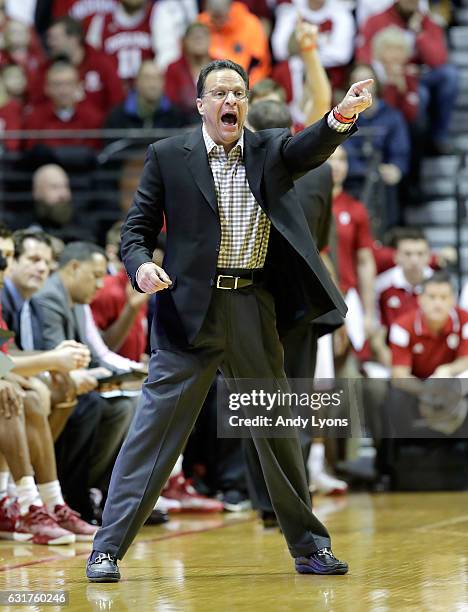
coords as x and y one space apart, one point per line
452 325
399 279
210 143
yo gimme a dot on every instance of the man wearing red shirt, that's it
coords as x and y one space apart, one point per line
121 313
439 83
126 34
431 341
182 75
398 288
62 111
97 72
356 265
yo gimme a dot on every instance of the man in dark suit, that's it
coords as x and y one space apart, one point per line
238 248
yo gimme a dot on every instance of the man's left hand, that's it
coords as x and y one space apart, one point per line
357 100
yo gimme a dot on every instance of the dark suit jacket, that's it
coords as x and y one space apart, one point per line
61 321
11 317
177 183
314 191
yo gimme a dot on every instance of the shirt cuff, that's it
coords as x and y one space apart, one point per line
138 272
338 126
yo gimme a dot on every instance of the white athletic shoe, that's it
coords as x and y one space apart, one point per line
164 504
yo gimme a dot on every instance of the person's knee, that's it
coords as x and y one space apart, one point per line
443 79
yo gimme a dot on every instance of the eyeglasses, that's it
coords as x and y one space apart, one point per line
222 94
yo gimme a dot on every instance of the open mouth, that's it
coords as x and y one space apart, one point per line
229 119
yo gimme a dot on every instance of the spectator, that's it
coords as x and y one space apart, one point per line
302 76
170 23
97 72
387 133
336 33
355 261
398 288
399 80
63 111
146 106
54 212
14 81
439 79
81 269
432 340
181 75
120 313
81 9
238 35
125 34
267 89
21 47
11 107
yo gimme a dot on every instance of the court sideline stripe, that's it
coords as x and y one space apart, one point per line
168 536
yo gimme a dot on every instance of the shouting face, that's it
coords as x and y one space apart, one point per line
223 106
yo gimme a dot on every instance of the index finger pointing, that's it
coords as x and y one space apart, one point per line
360 85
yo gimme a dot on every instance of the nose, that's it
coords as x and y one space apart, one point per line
230 97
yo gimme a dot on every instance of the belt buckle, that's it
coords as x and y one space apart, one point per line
220 276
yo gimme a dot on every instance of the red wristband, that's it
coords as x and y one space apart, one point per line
339 117
308 48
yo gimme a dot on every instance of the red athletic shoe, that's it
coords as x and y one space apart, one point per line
180 489
42 527
9 515
70 520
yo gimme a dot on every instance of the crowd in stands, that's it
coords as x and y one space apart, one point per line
73 75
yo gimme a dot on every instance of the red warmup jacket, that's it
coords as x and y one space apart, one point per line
11 118
43 117
429 45
98 74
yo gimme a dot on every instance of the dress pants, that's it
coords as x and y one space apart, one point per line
300 357
73 451
238 336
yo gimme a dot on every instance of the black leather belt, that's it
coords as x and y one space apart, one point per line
237 279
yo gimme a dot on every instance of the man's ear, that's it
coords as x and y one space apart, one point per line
200 108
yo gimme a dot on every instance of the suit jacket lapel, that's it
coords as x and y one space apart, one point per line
254 160
197 160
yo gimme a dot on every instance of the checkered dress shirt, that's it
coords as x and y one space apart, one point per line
245 229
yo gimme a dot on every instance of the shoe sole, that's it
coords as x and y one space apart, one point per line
65 539
237 507
306 569
104 579
16 536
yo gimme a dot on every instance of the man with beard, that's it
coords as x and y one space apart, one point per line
53 207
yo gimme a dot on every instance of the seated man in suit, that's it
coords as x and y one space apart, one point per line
82 266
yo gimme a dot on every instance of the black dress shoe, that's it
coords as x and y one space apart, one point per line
322 561
102 567
157 518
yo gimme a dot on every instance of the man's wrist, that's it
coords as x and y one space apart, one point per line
342 116
337 124
137 275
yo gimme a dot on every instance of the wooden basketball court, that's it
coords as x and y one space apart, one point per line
407 552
